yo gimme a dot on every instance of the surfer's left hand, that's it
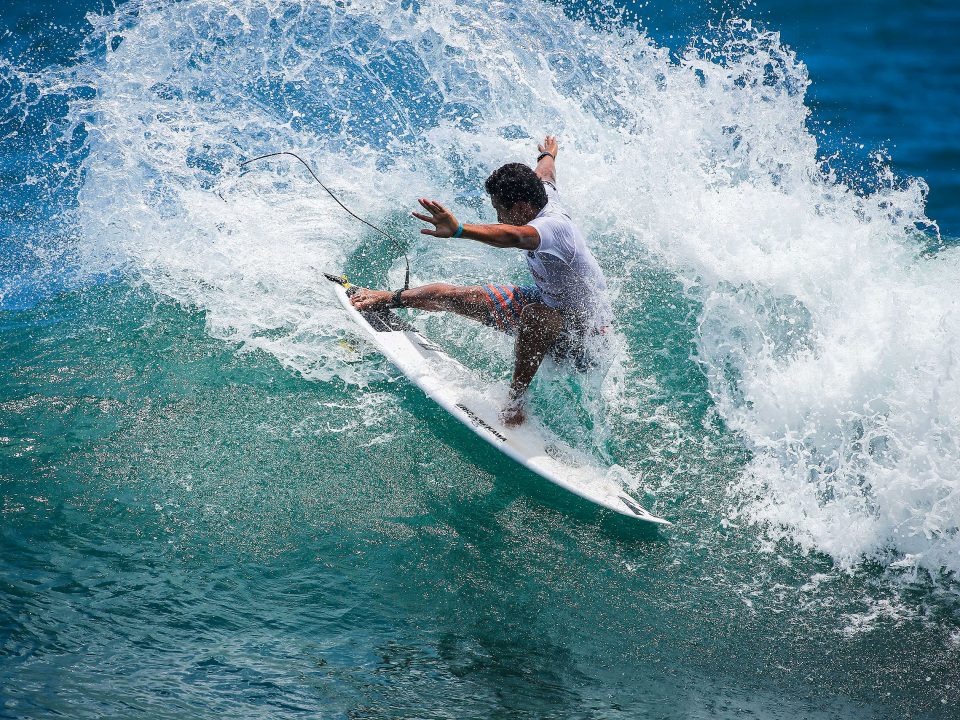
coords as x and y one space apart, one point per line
443 221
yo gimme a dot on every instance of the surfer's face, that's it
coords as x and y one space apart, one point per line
520 214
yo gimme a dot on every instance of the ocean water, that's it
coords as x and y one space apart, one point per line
216 499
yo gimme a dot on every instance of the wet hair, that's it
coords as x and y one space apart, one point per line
516 182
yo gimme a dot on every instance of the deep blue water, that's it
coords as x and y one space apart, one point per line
215 500
882 79
883 74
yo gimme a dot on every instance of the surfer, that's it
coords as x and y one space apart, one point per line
565 312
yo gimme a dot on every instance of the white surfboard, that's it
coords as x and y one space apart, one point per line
448 383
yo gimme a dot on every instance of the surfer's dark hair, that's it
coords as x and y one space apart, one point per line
516 182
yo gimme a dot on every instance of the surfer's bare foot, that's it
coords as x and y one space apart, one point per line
365 299
512 414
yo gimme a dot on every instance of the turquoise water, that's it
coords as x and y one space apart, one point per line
216 499
192 532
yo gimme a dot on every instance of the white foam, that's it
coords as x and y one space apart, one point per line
829 341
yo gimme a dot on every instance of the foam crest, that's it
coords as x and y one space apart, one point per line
827 337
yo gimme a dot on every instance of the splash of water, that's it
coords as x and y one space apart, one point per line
827 336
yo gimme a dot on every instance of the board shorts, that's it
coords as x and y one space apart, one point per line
505 304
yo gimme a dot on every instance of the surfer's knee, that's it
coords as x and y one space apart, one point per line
469 295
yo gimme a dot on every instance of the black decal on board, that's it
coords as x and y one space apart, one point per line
477 422
628 501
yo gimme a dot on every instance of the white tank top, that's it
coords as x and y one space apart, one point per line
563 267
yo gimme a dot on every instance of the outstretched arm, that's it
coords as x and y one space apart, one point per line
547 165
445 225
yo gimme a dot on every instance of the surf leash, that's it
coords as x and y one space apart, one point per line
388 236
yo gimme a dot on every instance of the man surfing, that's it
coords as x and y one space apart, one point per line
565 312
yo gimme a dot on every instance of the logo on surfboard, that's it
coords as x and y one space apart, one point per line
477 422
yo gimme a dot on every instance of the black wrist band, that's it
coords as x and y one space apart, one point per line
544 154
397 302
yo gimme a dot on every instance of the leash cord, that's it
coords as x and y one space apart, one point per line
391 238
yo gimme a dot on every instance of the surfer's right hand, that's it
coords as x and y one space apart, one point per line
443 221
549 145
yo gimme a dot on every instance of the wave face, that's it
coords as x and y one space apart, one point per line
827 334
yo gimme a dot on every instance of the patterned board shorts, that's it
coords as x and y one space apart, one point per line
506 303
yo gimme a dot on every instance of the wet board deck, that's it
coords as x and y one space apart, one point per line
454 388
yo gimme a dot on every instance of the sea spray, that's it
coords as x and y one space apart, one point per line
827 337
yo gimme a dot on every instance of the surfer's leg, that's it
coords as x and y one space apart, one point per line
469 301
540 326
497 305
